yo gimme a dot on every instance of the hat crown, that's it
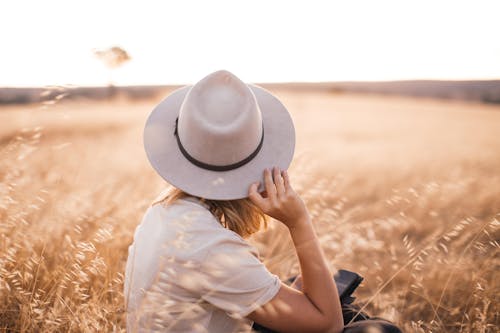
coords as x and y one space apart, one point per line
219 121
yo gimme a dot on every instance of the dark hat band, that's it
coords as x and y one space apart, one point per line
213 167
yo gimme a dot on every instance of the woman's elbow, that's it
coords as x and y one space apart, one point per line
330 325
335 328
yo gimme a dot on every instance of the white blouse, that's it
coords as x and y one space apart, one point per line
187 273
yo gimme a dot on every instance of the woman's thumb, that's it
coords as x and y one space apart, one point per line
254 195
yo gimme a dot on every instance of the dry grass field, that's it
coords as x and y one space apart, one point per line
404 191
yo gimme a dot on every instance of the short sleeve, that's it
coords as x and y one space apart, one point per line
234 279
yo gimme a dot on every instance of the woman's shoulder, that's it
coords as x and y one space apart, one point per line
191 223
189 216
194 216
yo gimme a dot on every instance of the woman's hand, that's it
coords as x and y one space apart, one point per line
280 200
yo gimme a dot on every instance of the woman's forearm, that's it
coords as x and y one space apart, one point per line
319 292
317 282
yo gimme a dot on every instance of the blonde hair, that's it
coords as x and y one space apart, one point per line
240 215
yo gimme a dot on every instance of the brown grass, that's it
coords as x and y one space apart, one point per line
406 192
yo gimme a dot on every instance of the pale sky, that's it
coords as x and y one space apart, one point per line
176 42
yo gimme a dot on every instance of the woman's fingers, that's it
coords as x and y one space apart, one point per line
268 182
288 208
286 180
278 181
273 188
255 196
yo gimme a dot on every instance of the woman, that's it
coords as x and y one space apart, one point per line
189 268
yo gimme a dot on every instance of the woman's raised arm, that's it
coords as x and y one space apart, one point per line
317 307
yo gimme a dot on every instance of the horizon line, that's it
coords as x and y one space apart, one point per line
71 85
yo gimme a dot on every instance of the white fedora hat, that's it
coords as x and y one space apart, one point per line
214 138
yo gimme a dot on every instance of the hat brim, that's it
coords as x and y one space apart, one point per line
164 155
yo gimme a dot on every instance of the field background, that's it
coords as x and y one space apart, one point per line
404 191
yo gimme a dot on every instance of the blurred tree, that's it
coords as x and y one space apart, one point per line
113 58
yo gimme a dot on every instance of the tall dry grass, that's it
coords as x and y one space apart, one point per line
405 192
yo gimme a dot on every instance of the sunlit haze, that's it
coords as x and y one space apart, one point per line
51 42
